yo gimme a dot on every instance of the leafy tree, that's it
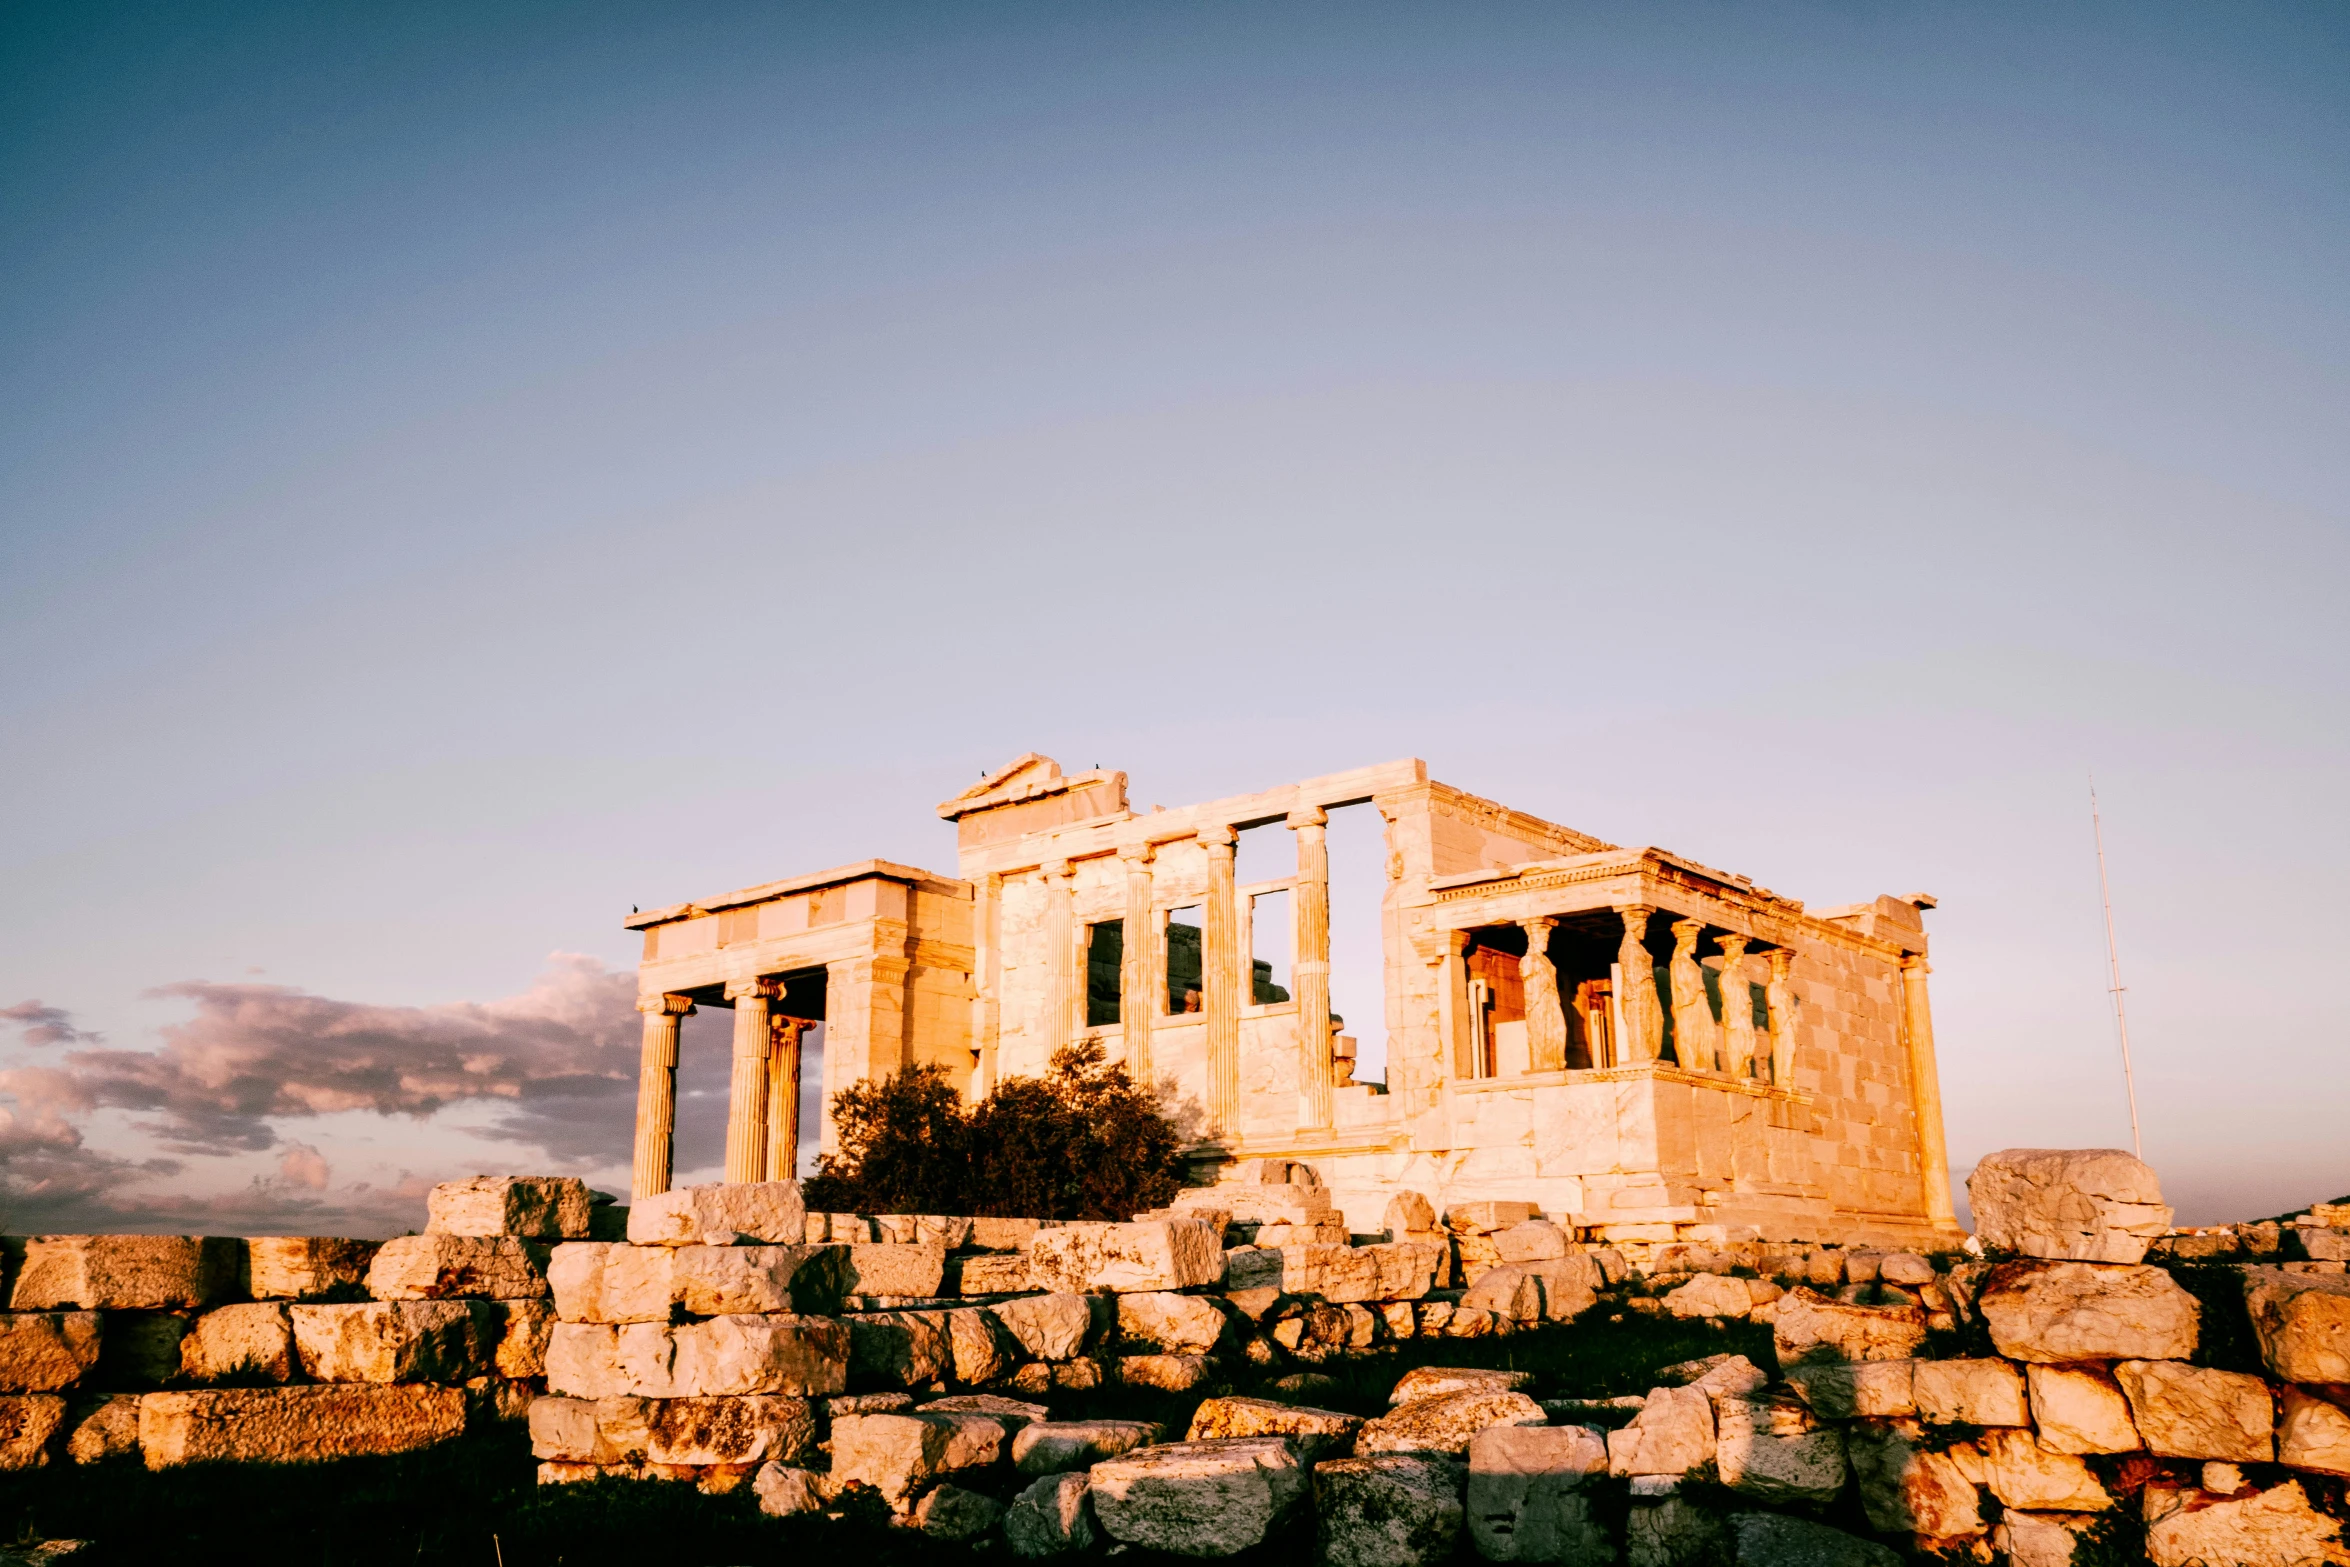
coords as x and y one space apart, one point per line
1080 1142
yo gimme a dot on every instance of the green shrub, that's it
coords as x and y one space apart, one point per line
1080 1142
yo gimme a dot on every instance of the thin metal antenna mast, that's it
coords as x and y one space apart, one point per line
2113 969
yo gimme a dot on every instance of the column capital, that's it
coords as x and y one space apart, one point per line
1137 856
1916 962
1054 870
1214 838
1311 816
1539 925
1686 932
1732 944
760 987
1635 915
668 1005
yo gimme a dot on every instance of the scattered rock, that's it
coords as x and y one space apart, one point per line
1169 1373
1048 1327
1672 1532
534 1207
1672 1434
2303 1322
783 1490
1710 1295
2272 1528
43 1351
2041 1539
1313 1432
2185 1411
1053 1517
1969 1393
2022 1473
1529 1494
1446 1423
1811 1327
1388 1510
1198 1498
1052 1446
952 1513
1436 1381
2313 1434
725 1214
2073 1204
1768 1446
1904 1487
2080 1409
1536 1240
2057 1313
1841 1390
1178 1324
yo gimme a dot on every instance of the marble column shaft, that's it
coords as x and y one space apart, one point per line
1220 971
656 1094
1310 972
1925 1092
746 1109
783 1100
1139 999
1546 1016
1064 1015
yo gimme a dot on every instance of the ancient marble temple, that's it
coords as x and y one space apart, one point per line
1643 1046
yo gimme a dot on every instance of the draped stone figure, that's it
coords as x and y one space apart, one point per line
1546 1018
1644 1019
1697 1040
1737 1010
1779 995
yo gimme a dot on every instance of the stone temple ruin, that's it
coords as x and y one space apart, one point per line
1648 1048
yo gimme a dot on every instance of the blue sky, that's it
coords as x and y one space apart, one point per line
467 470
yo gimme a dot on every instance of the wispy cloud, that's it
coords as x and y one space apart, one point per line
46 1025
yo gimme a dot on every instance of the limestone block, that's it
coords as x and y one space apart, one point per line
1179 1324
952 1513
140 1348
894 1454
1710 1295
524 1326
42 1351
450 1267
1261 1204
1002 1234
1172 1254
2023 1473
1168 1373
2072 1204
534 1207
1484 1218
1447 1422
2041 1539
905 1347
1438 1381
2327 1245
908 1271
1198 1498
1048 1327
253 1340
125 1272
1570 1286
802 1356
2303 1321
564 1430
1063 1259
1407 1213
2185 1411
305 1267
1775 1540
785 1489
1970 1393
583 1361
1509 1291
2275 1527
722 1281
1404 1270
1673 1533
1906 1488
108 1429
978 1347
1672 1434
2056 1313
28 1423
1770 1448
290 1425
604 1281
989 1273
729 1430
2313 1434
1530 1494
1252 1268
395 1340
1045 1447
1389 1510
721 1215
1905 1267
1053 1517
1841 1390
1809 1327
1724 1376
1536 1240
496 1400
1313 1432
1397 1318
2080 1409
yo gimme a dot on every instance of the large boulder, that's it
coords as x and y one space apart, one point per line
2058 1313
41 1351
1199 1498
2080 1409
1774 1540
1446 1424
1768 1446
535 1207
293 1425
2185 1411
2313 1434
1811 1327
1053 1517
125 1272
1048 1327
1178 1324
1907 1487
2303 1321
2275 1527
1388 1510
450 1267
728 1214
1531 1494
2022 1473
2069 1204
1672 1434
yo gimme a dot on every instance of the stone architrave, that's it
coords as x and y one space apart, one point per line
1697 1038
2071 1204
1642 1011
1546 1015
1779 995
1737 1009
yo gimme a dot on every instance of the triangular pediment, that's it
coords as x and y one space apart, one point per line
1025 778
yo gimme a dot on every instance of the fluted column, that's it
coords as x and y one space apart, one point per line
746 1109
1546 1016
1696 1041
1737 1010
1060 933
1925 1092
1139 999
783 1099
656 1093
1310 970
1643 1014
1219 980
1779 994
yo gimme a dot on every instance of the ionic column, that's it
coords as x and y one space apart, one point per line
987 969
1068 993
656 1093
1925 1092
783 1099
1219 981
746 1109
1546 1017
1643 1012
1455 1018
1696 1041
1139 1000
1737 1010
1317 1084
1779 995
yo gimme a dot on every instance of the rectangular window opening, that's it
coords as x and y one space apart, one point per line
1185 936
1105 960
1272 939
